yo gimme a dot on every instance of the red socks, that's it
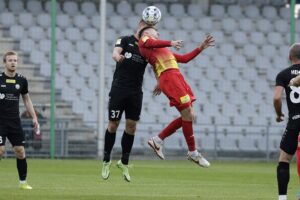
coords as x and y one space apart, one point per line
171 128
298 157
187 129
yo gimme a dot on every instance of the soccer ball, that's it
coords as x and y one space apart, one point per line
151 15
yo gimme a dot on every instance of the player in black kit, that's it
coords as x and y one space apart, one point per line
12 85
125 95
289 143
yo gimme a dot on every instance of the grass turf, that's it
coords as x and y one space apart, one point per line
159 180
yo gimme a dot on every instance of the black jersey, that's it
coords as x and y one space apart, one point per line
10 90
129 73
292 93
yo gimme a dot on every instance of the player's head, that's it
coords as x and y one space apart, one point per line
149 31
294 54
10 60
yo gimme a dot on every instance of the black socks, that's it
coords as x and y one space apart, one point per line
109 142
22 168
127 142
283 177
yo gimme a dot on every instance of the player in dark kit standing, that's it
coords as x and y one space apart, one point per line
12 85
289 143
125 95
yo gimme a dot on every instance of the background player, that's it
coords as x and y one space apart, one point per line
12 85
289 142
125 95
173 85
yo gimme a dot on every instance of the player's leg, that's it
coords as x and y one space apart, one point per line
2 138
17 139
288 147
115 110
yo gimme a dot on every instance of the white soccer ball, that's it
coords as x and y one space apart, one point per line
151 15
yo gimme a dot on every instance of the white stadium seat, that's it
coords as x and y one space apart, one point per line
227 49
281 26
269 51
124 8
17 32
74 58
133 22
34 6
26 19
7 19
252 12
206 24
45 46
88 8
188 23
83 46
90 34
229 25
234 11
37 33
81 21
177 10
217 11
257 38
264 26
195 10
27 45
63 21
139 7
117 22
37 57
275 38
170 23
16 6
284 13
269 12
59 34
73 34
250 51
246 25
240 38
71 8
96 21
44 20
238 61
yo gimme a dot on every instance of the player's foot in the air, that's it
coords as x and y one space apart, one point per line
105 169
197 158
125 170
157 147
25 186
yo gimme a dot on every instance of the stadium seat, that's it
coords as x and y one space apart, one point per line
126 31
269 12
26 19
7 19
238 61
34 7
284 13
228 143
36 33
59 34
2 6
73 34
70 8
110 8
44 20
195 10
77 82
170 23
45 46
221 62
48 7
45 70
37 57
281 26
124 9
240 38
264 26
187 23
27 45
234 11
275 38
96 21
163 9
232 74
246 25
63 21
229 25
17 32
250 51
66 70
227 49
133 21
88 8
81 21
117 22
74 58
90 34
257 38
82 46
64 46
92 58
252 12
247 144
206 24
139 7
16 6
269 51
217 11
177 10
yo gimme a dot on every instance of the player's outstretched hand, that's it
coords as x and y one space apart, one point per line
280 118
208 42
156 90
177 44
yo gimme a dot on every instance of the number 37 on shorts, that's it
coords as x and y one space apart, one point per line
114 114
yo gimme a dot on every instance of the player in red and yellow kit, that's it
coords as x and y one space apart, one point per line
173 85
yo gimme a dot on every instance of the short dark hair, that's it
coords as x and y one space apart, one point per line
143 30
295 51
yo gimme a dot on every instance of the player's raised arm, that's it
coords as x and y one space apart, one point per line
184 58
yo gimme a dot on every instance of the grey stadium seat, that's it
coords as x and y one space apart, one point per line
217 11
73 34
246 25
90 34
16 6
27 45
264 26
7 19
88 8
26 19
71 8
36 33
124 8
195 10
252 12
177 10
17 32
34 7
63 21
44 20
81 21
139 7
234 11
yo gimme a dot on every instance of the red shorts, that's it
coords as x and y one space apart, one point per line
173 85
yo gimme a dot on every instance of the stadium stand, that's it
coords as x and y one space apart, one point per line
234 80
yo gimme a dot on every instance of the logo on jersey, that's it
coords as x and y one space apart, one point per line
128 55
295 94
3 85
130 44
10 81
185 99
2 96
17 86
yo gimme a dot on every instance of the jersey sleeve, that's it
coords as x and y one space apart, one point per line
148 42
184 58
121 42
25 86
280 80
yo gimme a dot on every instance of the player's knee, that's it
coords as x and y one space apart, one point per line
130 127
113 126
2 151
19 152
187 114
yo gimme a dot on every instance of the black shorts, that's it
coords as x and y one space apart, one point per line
12 130
289 141
128 100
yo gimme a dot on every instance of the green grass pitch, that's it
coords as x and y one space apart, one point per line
153 179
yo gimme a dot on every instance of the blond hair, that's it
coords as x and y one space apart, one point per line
9 53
